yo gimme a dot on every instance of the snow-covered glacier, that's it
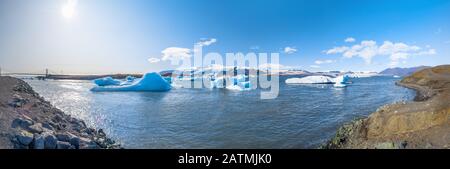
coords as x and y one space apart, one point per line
149 82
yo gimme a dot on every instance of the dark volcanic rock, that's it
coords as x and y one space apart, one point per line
25 138
50 141
29 121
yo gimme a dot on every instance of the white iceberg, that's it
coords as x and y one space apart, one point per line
149 82
339 81
310 80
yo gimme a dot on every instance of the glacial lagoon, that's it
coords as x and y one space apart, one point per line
302 116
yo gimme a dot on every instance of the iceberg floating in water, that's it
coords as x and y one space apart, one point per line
339 81
149 82
310 80
107 81
237 83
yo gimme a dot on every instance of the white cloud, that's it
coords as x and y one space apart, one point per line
176 53
314 66
207 42
153 60
319 62
290 50
428 52
368 49
350 39
336 50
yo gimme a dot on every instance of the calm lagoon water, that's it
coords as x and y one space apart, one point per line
303 116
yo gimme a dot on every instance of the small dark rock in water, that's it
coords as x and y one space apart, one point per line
39 142
101 142
109 141
24 137
101 133
63 145
89 131
50 141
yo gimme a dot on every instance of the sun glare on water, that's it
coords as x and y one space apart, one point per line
68 9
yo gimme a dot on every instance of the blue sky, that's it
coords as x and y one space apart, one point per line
114 36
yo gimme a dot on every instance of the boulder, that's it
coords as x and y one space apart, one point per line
47 126
24 137
50 141
22 123
75 141
66 136
63 137
36 128
39 141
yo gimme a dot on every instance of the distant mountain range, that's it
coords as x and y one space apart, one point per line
402 71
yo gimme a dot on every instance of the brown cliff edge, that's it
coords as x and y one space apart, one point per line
423 123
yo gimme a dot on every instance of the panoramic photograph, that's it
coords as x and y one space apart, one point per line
228 74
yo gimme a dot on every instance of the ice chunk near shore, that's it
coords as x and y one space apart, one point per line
149 82
310 80
107 81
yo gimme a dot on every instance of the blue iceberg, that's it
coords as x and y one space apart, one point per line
149 82
107 81
237 83
341 81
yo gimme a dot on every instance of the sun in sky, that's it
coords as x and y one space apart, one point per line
68 9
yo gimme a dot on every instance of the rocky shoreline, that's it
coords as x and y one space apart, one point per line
27 121
423 123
